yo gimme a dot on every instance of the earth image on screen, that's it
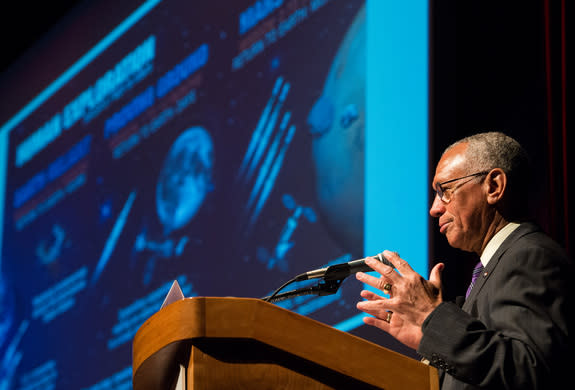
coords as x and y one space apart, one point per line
185 178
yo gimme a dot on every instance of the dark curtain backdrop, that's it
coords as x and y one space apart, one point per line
500 65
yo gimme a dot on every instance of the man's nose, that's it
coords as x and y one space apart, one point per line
437 207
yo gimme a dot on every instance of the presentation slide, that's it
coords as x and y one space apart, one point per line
228 145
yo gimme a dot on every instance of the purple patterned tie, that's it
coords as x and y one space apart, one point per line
476 271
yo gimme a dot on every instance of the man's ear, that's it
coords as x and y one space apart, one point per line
496 182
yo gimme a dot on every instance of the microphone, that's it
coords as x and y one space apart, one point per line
340 271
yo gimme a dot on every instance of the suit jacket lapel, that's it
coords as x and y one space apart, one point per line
523 229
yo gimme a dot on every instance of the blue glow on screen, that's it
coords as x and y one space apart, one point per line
165 176
397 131
396 179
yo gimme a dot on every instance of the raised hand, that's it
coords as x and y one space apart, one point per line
410 298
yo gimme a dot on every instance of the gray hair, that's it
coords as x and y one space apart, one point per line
489 150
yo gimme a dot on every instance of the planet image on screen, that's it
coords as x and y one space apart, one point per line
337 126
185 178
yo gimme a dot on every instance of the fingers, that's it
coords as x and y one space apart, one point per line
382 284
380 267
434 286
402 266
388 275
379 316
435 274
393 257
382 324
375 322
369 279
374 304
369 295
406 299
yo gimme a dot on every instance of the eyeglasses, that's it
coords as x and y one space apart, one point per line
446 194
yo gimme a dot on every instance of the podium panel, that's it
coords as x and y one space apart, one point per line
243 343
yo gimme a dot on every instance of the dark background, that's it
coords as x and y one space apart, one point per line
20 28
494 65
500 65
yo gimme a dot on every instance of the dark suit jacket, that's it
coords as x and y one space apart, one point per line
512 331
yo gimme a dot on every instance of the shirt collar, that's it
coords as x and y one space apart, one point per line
496 242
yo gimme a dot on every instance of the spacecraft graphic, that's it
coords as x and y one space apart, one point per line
266 151
278 257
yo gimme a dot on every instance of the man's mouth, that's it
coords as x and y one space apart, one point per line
443 227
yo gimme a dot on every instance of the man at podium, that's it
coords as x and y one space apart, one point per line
511 331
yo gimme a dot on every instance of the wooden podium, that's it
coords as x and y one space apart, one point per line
244 343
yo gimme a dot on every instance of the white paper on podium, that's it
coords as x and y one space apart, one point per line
175 294
181 383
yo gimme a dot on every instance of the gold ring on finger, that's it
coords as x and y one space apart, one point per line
387 288
388 317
